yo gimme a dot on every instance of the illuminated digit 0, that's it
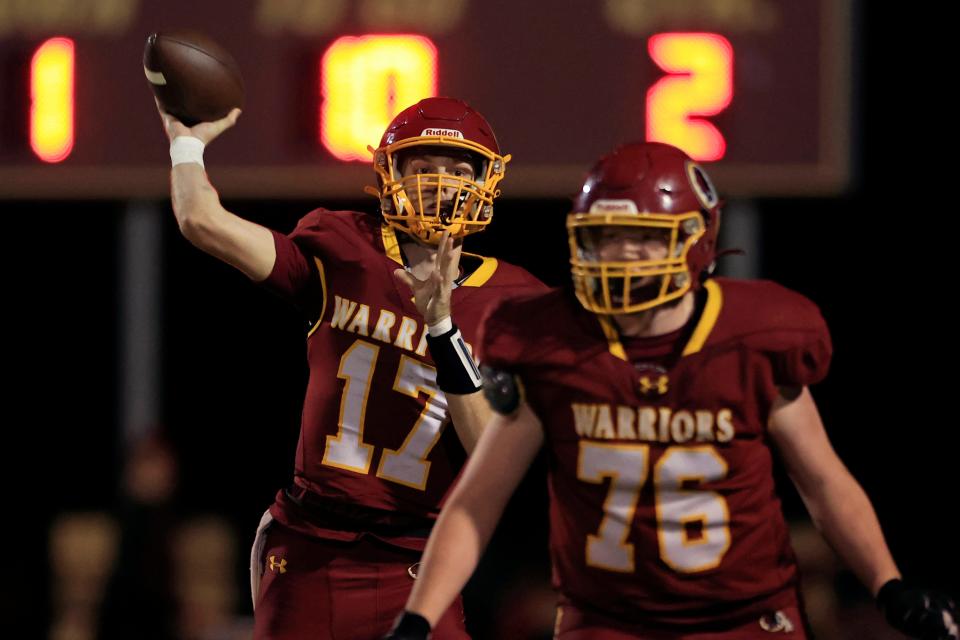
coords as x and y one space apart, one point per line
365 81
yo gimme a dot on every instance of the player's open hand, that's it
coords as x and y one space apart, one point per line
432 296
205 131
919 613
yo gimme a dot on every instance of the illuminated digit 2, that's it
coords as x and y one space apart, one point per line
700 83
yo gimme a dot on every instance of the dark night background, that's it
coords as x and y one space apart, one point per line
880 261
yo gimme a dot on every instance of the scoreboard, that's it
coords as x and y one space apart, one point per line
758 89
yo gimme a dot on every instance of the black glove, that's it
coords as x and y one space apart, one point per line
409 626
919 613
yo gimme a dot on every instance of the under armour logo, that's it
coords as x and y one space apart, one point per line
776 622
278 566
660 385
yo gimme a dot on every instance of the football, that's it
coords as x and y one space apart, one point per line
193 78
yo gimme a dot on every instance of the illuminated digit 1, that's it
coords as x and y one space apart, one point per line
700 84
364 82
51 100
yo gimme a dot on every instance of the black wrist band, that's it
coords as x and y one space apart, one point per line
456 370
889 589
411 625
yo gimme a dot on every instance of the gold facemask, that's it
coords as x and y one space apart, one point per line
630 286
425 205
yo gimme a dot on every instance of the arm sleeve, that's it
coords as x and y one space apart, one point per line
807 360
295 276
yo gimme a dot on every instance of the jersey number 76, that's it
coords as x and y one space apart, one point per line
678 507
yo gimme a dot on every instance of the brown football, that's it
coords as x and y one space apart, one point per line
193 77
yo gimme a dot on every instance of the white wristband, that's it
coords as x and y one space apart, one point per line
186 149
441 327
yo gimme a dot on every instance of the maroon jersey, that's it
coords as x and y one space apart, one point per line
663 507
375 433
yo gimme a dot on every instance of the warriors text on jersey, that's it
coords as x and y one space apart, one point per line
663 506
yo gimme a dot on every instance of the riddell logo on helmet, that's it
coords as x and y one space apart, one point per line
614 206
446 133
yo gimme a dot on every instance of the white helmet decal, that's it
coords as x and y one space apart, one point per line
613 206
446 133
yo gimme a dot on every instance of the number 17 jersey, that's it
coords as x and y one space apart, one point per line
375 433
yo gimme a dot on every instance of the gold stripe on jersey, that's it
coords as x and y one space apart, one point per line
613 337
323 288
708 320
483 273
391 246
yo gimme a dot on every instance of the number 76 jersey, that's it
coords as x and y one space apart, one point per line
375 434
662 501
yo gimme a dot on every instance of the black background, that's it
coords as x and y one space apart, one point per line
880 262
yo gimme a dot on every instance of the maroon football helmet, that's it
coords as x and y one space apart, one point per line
425 204
651 190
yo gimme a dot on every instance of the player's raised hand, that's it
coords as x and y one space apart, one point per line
205 131
432 295
919 613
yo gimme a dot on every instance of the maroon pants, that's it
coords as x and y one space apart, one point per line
315 589
577 624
